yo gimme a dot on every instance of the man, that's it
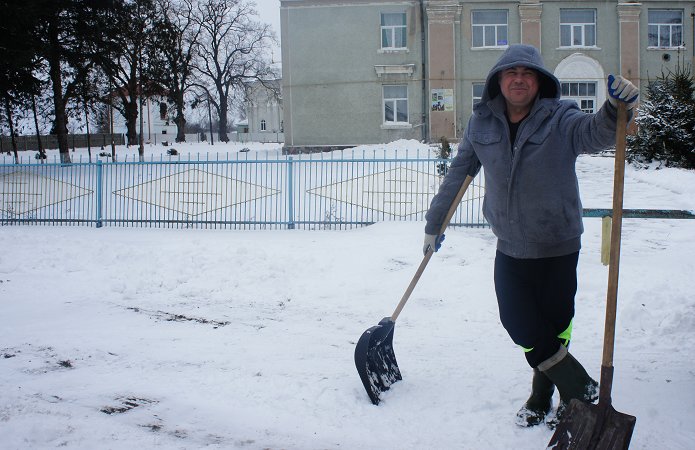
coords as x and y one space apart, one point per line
528 140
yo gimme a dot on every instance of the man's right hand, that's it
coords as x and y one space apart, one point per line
621 89
432 242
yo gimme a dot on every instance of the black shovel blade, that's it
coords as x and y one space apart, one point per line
375 360
599 427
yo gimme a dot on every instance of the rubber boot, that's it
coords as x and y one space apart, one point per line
570 377
539 403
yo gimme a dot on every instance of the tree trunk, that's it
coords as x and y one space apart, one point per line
42 152
89 140
131 121
8 106
61 127
180 120
113 142
222 128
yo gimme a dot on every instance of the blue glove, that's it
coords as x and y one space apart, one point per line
621 89
432 242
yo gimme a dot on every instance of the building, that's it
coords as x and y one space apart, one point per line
157 121
373 71
264 114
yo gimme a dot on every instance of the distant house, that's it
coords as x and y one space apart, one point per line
264 113
158 121
158 124
242 126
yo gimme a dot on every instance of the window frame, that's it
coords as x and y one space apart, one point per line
578 96
477 99
263 125
395 110
582 26
484 26
659 26
392 29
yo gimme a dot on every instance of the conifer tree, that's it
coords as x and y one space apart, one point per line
666 121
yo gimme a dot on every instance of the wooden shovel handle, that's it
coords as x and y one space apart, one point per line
430 252
616 230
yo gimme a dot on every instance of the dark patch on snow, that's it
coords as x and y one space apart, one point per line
154 427
126 404
171 317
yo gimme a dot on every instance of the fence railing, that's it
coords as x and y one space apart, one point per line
247 191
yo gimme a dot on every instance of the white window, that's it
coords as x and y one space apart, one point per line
577 28
665 28
395 104
263 125
489 28
393 31
582 92
478 89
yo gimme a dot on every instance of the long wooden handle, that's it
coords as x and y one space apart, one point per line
430 252
614 262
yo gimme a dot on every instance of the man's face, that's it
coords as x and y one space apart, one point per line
519 86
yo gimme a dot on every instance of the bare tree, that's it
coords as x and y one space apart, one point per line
126 29
176 39
232 52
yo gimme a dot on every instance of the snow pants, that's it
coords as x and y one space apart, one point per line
536 302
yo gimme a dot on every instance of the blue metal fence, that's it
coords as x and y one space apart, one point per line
247 191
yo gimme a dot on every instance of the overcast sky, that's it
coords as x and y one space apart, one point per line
269 12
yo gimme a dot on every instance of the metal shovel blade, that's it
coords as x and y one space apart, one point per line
375 360
600 427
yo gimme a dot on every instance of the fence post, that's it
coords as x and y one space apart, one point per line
290 194
99 190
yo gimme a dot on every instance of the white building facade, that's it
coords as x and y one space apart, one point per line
264 113
158 124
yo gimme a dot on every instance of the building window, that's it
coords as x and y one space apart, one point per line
665 28
162 110
478 89
395 104
263 125
577 28
582 92
489 28
393 31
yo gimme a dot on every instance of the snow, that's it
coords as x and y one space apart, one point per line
157 338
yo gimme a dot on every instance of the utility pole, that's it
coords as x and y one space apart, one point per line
141 141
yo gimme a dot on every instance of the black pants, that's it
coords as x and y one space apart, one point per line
536 301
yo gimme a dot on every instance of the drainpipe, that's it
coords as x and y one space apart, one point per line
425 96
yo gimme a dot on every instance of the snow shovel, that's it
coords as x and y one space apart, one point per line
374 357
600 426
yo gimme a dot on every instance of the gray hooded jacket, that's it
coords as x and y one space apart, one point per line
531 191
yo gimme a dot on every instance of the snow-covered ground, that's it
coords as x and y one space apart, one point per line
120 338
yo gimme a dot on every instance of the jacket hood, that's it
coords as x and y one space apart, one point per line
526 56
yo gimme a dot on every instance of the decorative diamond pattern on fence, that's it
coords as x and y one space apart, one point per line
400 192
23 192
195 192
